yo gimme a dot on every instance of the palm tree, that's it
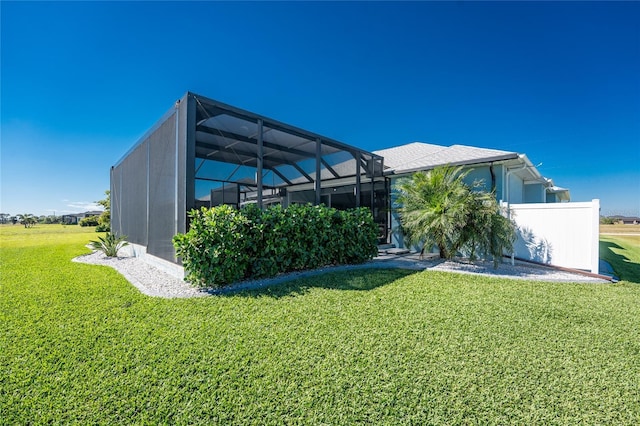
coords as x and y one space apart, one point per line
434 209
438 208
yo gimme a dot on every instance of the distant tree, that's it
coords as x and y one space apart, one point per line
89 221
27 219
4 217
52 219
604 220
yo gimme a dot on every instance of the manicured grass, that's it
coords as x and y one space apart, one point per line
623 253
80 345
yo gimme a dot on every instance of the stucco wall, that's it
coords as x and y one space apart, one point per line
516 189
534 193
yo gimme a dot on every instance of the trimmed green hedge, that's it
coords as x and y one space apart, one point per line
224 245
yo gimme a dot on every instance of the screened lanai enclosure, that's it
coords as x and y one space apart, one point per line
206 153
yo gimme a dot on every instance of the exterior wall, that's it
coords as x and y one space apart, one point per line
534 193
516 190
559 234
483 173
479 174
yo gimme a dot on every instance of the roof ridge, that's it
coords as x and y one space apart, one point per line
486 149
407 144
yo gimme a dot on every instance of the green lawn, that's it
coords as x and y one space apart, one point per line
623 253
80 345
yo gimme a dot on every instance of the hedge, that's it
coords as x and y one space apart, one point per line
225 245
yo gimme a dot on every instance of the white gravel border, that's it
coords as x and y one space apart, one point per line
154 282
146 278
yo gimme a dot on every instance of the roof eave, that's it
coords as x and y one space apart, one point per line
492 160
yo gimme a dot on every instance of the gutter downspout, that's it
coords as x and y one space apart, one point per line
493 178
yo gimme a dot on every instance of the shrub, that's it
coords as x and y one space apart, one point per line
224 245
104 222
216 248
359 235
103 228
89 221
110 244
267 253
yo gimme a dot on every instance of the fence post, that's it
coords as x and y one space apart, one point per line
595 233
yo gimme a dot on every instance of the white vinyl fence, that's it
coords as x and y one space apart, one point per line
559 234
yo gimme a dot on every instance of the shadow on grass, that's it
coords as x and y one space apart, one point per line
353 280
624 267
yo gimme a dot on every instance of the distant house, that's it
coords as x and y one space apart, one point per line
74 218
626 220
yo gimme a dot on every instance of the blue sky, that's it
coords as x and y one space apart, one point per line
81 82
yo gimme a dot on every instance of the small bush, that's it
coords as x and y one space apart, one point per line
103 228
104 222
224 245
89 221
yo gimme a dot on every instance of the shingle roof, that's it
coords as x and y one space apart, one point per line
424 156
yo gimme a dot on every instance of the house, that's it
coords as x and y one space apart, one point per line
204 153
626 220
74 218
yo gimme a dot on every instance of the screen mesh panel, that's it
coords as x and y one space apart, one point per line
131 194
116 207
163 186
